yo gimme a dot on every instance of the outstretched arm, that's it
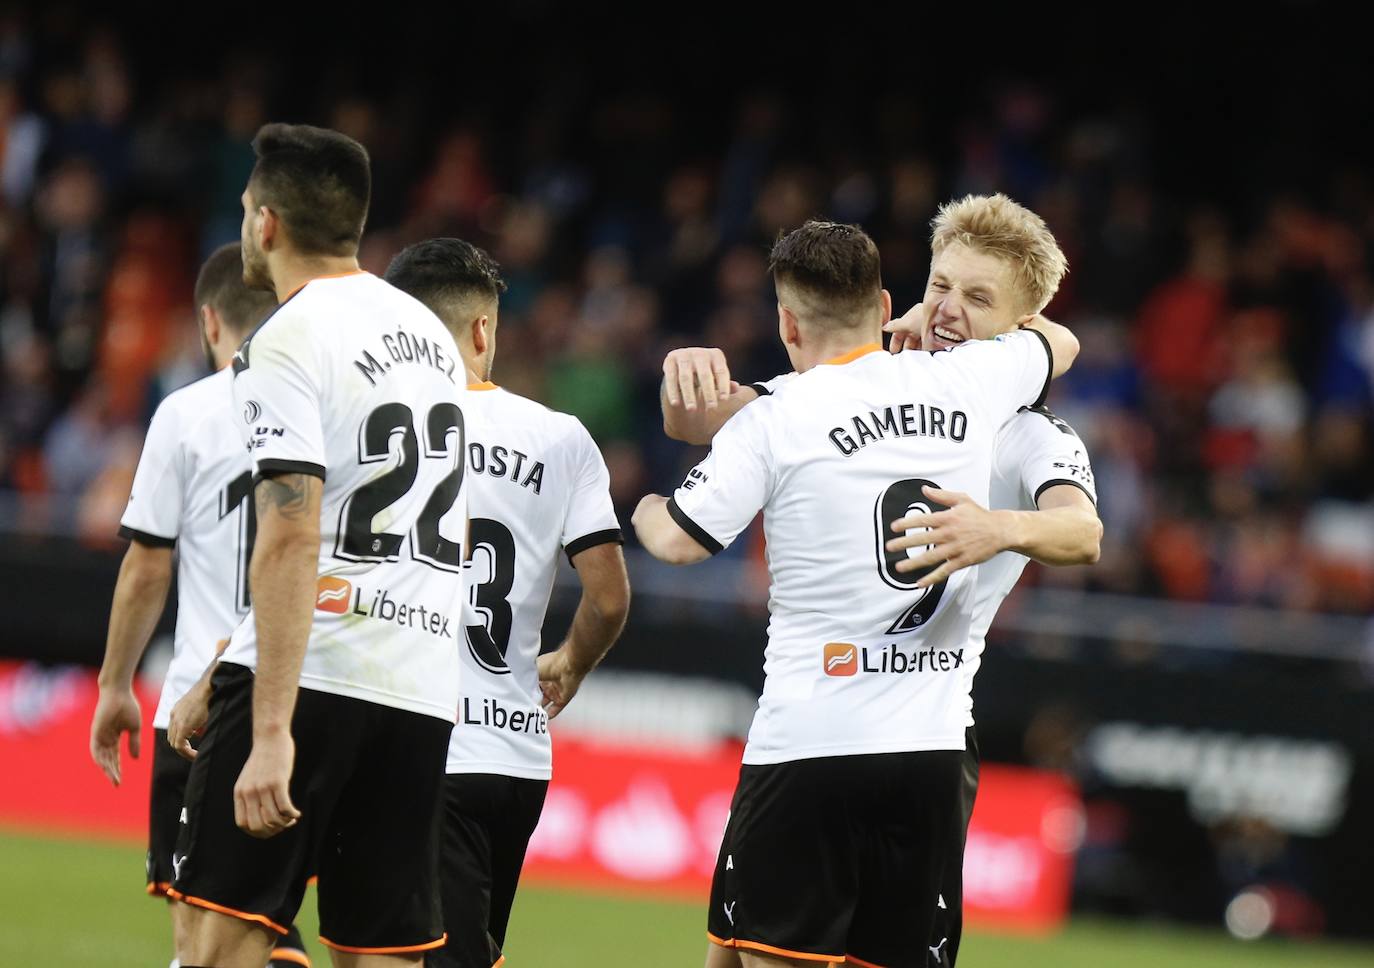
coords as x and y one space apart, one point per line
1065 530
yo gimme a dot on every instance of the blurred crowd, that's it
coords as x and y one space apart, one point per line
1224 390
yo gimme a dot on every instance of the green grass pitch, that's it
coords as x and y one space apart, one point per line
81 902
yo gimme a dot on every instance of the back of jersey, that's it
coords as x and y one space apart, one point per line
538 489
859 660
355 382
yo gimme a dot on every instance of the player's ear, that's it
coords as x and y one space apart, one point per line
480 334
788 327
269 228
210 324
886 298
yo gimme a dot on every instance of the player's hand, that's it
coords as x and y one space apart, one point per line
559 680
116 712
908 330
964 535
696 368
262 796
189 716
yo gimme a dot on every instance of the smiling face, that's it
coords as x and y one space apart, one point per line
971 294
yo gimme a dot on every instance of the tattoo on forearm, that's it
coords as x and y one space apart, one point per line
285 494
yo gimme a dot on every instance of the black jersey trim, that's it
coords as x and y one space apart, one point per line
273 466
144 538
696 531
1055 483
610 536
1049 368
760 389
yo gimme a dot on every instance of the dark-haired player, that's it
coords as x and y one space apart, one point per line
994 262
191 492
849 802
538 489
333 703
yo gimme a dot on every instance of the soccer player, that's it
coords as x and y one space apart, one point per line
538 489
993 260
849 802
191 492
332 705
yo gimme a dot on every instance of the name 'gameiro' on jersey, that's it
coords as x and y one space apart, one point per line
357 383
859 660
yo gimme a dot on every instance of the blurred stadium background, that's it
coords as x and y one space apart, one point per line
1194 715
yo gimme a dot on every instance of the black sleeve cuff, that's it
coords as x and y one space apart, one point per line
760 389
1055 483
1049 367
610 536
144 538
697 533
272 467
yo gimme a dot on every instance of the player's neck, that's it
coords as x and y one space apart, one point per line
291 272
813 354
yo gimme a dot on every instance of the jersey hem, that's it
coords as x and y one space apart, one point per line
695 531
144 538
930 744
350 691
1049 367
1055 483
499 769
273 465
608 536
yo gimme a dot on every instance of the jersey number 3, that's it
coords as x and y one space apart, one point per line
489 593
899 499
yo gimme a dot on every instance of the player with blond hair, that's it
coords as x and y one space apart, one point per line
994 264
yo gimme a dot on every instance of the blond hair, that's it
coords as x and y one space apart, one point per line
999 226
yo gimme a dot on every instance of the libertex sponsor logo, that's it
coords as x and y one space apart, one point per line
845 659
841 659
338 595
332 594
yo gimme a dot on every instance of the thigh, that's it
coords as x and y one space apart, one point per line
217 866
949 908
167 794
786 876
510 837
379 870
913 824
465 873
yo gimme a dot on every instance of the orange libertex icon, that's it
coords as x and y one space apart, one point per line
332 594
841 659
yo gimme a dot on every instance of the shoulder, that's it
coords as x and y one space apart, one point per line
196 401
1041 420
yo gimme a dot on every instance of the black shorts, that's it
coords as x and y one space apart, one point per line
488 820
170 771
949 909
838 857
367 779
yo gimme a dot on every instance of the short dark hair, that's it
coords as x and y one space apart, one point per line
318 182
220 284
834 267
441 272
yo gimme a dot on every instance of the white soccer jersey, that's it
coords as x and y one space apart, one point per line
194 489
1035 450
353 381
538 488
858 660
